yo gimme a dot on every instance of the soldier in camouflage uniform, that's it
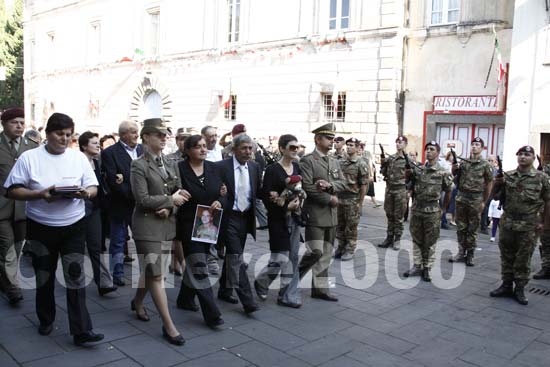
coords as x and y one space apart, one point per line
339 148
526 194
544 247
474 179
428 183
350 201
395 201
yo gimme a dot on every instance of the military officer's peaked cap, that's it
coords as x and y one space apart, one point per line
327 130
526 149
155 125
477 139
433 143
401 138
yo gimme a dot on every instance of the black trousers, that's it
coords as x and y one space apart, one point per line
195 280
234 270
46 245
102 275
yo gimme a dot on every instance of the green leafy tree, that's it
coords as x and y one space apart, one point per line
11 55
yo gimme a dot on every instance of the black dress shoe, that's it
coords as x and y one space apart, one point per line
228 298
192 307
176 340
288 304
218 321
14 298
250 309
89 337
107 290
128 259
259 293
142 317
45 329
119 281
325 297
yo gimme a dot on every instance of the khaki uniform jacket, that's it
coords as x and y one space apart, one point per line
313 168
9 208
152 190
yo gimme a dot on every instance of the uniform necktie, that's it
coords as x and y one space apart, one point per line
12 147
161 166
242 199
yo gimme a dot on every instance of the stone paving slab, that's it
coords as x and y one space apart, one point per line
393 321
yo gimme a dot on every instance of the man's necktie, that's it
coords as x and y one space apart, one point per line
12 147
242 199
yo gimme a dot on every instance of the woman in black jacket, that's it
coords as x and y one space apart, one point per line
201 179
284 229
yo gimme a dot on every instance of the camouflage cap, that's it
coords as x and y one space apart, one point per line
477 139
433 143
526 149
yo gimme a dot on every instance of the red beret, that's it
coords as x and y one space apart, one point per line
294 179
433 143
526 149
12 113
237 129
477 139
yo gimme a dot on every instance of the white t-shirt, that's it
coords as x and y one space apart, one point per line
214 155
37 169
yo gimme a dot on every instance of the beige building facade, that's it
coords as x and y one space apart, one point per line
273 66
450 90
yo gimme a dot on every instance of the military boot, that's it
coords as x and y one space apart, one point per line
415 271
519 295
387 242
470 257
426 275
544 273
506 289
397 243
459 258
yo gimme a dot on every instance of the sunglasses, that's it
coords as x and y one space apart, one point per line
294 148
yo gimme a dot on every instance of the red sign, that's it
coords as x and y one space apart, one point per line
465 104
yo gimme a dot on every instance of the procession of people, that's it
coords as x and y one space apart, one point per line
190 210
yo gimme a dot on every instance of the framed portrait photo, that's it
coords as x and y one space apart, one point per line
206 226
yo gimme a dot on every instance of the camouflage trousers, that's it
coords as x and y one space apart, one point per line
545 249
348 220
425 229
468 218
516 250
395 204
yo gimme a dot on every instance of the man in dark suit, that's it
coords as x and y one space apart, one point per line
115 162
242 178
12 213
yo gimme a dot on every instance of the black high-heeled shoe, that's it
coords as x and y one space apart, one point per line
172 270
142 317
176 340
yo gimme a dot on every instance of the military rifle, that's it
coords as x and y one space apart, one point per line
540 167
455 161
501 193
382 153
268 156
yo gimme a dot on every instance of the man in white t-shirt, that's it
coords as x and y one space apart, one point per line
55 181
210 135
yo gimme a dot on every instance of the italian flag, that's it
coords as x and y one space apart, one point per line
501 68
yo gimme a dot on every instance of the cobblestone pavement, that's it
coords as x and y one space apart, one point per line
380 320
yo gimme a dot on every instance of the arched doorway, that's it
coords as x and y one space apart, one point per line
152 105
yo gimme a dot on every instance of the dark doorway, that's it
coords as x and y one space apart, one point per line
545 147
